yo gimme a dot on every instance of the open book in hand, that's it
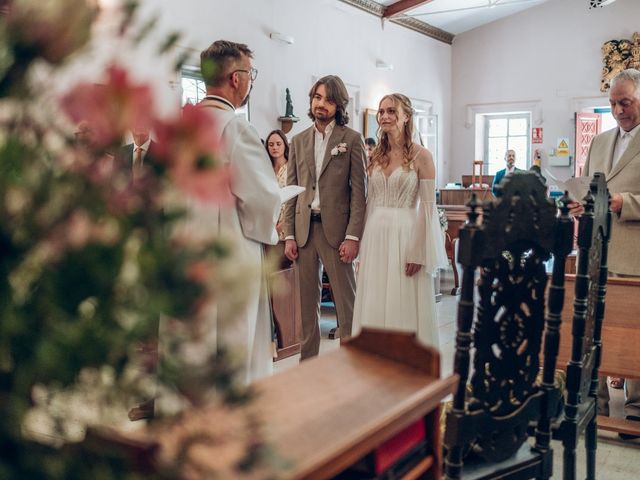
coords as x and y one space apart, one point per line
576 187
290 191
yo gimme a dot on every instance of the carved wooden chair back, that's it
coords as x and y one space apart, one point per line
580 409
519 232
590 289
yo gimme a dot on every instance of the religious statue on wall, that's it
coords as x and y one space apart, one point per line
288 119
618 55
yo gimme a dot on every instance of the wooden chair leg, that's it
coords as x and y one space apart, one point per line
569 462
454 264
591 444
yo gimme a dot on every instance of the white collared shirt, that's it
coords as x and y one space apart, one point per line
622 142
320 148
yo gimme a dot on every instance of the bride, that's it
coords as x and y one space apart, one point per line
402 245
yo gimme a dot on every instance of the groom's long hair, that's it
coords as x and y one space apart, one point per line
337 93
380 156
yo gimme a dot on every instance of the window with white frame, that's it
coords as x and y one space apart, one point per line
506 131
608 122
193 88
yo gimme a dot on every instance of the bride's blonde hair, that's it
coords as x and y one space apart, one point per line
380 156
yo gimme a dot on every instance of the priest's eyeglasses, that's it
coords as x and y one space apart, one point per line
253 73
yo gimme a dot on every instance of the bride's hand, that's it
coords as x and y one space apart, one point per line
411 269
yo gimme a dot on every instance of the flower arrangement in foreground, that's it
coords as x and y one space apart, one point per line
92 262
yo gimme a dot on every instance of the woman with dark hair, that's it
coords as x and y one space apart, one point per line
277 147
402 245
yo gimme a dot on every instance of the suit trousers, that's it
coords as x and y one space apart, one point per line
631 397
631 387
343 286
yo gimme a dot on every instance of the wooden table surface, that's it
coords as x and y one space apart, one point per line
316 418
339 418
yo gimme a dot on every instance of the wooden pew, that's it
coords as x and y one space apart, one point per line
620 338
350 406
285 300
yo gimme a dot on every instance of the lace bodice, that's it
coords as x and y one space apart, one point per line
400 190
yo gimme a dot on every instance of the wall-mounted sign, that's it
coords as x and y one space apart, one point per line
563 146
536 135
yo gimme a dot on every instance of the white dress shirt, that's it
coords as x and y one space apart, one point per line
622 142
319 149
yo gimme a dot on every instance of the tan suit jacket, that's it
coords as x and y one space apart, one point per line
341 183
624 179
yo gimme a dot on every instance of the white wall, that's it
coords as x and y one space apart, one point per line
549 53
330 38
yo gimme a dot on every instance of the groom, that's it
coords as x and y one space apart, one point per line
325 223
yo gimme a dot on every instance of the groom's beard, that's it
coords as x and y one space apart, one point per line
246 99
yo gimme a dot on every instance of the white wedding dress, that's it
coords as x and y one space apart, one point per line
402 226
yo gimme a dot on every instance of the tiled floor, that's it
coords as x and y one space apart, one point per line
615 459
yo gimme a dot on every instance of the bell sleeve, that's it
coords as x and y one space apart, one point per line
426 246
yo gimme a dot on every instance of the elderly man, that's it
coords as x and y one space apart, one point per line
616 152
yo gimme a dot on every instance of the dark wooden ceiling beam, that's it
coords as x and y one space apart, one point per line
402 6
377 9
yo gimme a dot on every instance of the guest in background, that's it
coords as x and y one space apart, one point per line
277 147
135 154
510 160
369 145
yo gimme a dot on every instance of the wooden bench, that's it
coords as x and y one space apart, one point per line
620 339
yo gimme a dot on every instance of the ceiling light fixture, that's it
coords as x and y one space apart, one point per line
600 3
380 65
280 37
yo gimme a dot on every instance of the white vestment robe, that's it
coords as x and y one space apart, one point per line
250 222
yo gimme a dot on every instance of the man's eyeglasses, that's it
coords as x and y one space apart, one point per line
253 73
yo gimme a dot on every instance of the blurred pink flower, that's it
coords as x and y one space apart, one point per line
188 146
50 29
110 109
201 271
78 229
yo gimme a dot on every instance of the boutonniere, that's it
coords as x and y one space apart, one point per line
338 149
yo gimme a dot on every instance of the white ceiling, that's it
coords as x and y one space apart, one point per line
457 16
